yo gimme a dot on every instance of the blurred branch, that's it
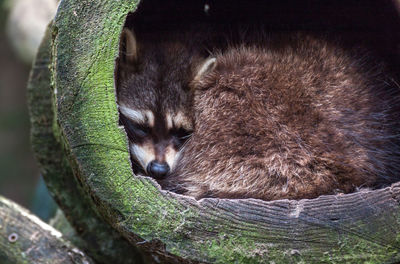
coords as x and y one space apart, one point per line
27 23
24 238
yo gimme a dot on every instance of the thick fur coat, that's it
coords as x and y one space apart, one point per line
294 118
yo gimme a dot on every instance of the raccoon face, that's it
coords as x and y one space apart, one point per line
155 138
154 102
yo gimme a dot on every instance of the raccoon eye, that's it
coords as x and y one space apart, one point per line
140 131
181 134
135 130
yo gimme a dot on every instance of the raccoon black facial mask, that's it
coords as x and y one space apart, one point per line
154 99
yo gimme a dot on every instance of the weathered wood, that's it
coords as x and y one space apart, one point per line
364 226
24 238
98 238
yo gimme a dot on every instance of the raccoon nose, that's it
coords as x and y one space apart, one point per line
157 170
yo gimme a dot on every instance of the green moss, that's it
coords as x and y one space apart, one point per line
98 238
233 249
228 249
361 251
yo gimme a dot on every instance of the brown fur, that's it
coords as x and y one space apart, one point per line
295 118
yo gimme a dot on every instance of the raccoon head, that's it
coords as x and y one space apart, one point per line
154 101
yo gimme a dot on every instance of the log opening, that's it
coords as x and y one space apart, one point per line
174 228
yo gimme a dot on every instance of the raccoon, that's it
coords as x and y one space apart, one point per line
295 117
154 98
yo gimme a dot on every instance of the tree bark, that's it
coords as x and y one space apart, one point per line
24 238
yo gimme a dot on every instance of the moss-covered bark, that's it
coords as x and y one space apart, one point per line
351 228
95 236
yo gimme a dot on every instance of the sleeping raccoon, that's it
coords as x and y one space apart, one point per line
153 96
294 118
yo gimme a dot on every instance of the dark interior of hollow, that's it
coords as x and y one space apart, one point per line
374 24
371 23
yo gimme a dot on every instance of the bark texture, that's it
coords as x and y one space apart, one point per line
24 238
353 228
96 237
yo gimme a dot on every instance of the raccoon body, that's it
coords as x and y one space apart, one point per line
154 99
294 118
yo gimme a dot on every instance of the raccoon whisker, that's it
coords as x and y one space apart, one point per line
188 137
395 82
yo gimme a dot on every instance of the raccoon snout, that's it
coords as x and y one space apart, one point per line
158 170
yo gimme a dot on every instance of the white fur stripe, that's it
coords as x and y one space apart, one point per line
143 154
181 120
134 115
169 121
138 116
171 156
150 118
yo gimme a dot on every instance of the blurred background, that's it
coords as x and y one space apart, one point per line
19 39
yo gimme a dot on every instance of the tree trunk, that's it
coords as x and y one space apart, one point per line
83 136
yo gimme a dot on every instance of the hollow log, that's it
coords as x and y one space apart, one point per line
24 238
352 228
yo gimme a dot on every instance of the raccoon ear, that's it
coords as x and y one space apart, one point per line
206 67
128 46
